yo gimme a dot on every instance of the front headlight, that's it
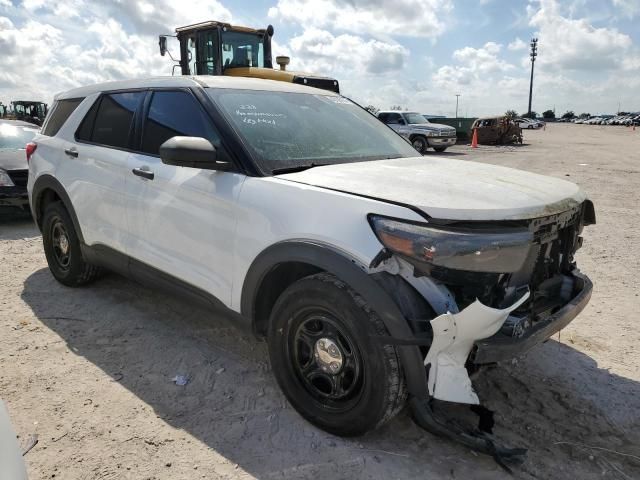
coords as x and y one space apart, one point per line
431 133
5 179
490 251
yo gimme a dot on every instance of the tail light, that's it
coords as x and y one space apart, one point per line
31 148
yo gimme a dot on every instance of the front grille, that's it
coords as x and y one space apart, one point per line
447 133
19 177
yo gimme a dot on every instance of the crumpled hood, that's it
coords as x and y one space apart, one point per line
449 189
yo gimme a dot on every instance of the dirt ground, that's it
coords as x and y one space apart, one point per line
90 370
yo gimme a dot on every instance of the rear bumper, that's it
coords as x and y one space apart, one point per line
501 347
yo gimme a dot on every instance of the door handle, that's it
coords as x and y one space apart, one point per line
71 152
144 173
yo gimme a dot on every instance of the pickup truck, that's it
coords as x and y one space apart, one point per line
419 131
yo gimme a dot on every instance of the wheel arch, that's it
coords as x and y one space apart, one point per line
48 189
281 264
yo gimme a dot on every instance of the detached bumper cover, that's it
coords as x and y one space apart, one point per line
500 347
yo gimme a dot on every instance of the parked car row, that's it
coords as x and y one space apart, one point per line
626 120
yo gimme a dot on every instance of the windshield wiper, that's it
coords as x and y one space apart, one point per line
297 168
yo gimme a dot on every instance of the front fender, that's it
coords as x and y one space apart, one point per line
338 263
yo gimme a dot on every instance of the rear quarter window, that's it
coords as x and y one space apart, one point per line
61 111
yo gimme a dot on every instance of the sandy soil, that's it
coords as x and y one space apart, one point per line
90 370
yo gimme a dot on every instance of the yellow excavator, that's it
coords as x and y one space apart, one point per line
216 48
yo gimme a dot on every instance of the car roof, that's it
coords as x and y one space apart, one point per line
218 81
19 123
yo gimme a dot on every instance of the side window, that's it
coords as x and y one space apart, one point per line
175 114
383 117
394 118
61 111
109 120
83 133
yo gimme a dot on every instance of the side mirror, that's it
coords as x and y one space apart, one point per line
162 43
195 152
401 121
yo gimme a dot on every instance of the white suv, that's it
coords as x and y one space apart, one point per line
375 275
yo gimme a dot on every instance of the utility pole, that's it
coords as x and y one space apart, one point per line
457 95
533 54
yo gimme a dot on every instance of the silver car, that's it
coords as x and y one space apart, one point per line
419 131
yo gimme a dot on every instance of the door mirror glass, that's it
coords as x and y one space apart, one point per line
195 152
162 43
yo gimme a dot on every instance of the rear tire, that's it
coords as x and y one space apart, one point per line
325 361
62 248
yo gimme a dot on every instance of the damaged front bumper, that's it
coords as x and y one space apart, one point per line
500 347
474 335
474 329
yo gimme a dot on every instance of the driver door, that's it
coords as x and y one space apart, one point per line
181 220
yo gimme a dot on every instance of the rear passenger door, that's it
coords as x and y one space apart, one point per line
95 168
182 220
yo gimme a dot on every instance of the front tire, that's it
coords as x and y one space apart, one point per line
62 248
325 361
439 149
420 144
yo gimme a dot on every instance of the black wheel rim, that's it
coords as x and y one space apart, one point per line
326 360
60 244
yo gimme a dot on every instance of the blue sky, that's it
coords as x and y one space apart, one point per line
413 53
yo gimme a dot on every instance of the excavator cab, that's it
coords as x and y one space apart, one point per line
215 48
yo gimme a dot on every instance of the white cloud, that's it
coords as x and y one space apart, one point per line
476 65
482 60
413 18
105 52
575 44
320 51
153 17
628 8
517 45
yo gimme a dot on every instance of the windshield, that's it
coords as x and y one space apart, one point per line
413 118
242 49
14 137
287 130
